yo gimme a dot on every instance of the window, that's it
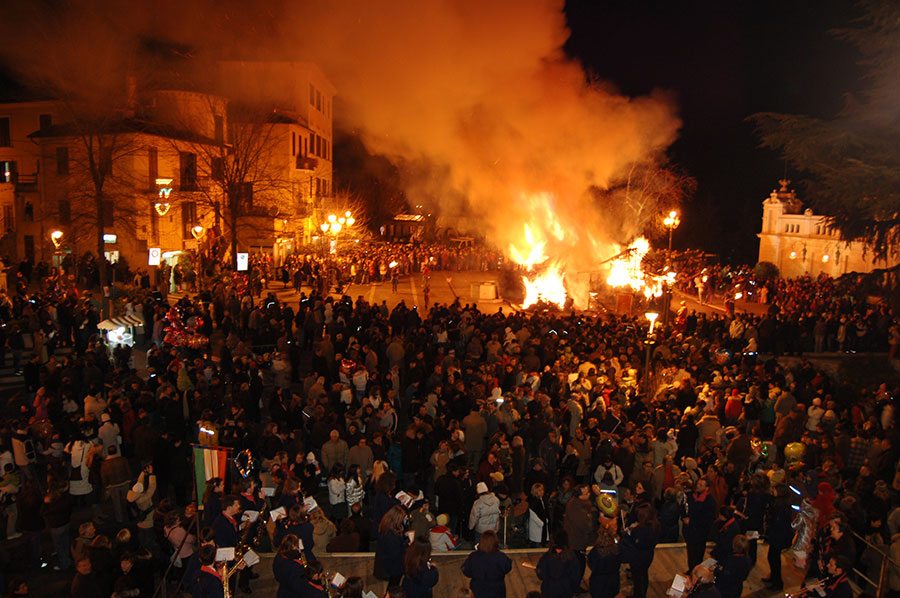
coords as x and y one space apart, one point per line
312 95
5 140
312 143
152 167
65 211
318 100
217 168
46 121
8 172
318 146
62 161
247 195
220 128
188 171
107 208
293 143
188 218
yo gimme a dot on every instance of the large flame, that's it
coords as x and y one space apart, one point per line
547 286
626 271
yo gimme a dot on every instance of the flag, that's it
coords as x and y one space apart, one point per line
209 462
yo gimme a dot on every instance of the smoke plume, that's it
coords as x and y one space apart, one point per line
497 128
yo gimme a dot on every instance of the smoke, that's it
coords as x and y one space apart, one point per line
496 128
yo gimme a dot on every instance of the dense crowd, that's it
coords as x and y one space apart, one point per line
366 428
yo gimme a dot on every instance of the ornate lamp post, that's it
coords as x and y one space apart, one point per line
648 346
671 222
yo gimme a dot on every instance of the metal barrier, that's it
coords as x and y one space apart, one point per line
876 563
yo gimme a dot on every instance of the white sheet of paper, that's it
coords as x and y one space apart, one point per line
276 514
311 504
299 543
679 583
250 516
338 580
225 554
370 594
250 558
752 535
709 564
268 491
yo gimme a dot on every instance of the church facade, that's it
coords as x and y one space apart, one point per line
801 243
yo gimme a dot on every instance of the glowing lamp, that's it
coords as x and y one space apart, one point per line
332 218
56 237
651 316
347 213
825 258
324 228
738 296
350 220
793 255
672 220
197 231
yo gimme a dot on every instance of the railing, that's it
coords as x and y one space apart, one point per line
865 578
165 577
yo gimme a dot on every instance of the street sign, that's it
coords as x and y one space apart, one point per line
153 259
242 261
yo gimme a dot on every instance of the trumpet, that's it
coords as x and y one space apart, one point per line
811 589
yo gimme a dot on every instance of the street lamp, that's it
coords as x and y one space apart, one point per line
671 222
197 231
56 237
648 345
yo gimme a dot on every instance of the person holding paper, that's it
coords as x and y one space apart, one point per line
314 586
209 581
734 568
487 566
420 575
701 583
228 534
288 568
296 523
698 521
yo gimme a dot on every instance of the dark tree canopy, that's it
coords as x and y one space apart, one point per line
852 160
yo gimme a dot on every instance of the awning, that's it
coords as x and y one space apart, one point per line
120 322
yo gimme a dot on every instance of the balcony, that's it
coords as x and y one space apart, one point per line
307 163
25 183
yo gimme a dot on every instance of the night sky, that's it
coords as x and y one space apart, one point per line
724 61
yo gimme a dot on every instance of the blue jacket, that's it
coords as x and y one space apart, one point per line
604 573
488 572
638 545
702 514
227 536
733 570
559 574
420 584
389 549
290 576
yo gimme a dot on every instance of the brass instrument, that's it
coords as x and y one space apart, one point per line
811 589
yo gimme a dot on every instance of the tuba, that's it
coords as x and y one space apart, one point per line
246 463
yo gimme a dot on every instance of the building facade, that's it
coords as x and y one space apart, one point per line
162 160
801 243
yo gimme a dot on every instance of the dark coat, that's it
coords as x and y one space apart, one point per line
638 545
227 535
702 515
604 573
731 574
488 573
725 540
290 576
420 584
779 532
559 574
389 550
209 586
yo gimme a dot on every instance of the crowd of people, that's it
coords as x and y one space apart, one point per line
406 433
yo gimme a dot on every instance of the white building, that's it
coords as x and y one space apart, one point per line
800 242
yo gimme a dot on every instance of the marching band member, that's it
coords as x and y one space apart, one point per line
314 585
228 533
209 581
288 568
838 586
298 524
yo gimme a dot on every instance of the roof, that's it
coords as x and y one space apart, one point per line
409 217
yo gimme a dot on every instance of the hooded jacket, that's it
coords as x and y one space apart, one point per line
485 513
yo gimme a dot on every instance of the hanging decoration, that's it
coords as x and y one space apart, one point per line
179 334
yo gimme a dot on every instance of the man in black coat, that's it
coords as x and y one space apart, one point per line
209 581
228 535
698 521
449 492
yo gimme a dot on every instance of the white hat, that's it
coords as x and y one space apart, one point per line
481 488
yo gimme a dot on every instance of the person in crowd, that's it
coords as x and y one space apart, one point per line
288 568
487 567
558 569
605 561
733 568
638 545
485 513
419 573
391 546
209 580
700 514
538 517
779 533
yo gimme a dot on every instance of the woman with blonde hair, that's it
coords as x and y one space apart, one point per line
324 530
